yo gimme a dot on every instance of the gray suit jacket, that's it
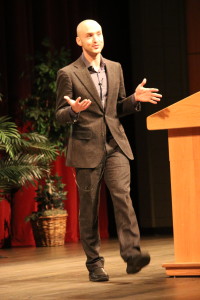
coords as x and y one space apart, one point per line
86 144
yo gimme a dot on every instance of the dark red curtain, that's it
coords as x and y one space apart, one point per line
23 26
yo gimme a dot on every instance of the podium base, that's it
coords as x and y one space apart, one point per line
182 269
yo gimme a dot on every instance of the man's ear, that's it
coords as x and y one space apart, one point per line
78 41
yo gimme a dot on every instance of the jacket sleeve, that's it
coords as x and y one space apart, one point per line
126 105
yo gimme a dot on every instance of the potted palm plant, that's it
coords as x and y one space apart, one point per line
24 159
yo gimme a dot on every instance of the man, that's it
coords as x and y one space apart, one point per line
91 97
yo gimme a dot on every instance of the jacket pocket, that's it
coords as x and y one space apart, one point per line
82 135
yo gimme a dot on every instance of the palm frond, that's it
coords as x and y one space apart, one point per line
8 133
34 143
24 157
18 173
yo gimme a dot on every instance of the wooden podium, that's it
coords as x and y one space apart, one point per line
182 120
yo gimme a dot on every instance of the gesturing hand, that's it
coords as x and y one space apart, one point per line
146 94
76 105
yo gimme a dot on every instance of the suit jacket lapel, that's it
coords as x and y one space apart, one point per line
84 76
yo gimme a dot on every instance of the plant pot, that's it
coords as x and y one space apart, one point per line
49 231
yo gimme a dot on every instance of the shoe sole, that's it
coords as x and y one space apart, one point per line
99 279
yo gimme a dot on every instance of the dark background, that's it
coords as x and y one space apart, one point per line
156 39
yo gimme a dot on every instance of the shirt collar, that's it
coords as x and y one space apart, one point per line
88 64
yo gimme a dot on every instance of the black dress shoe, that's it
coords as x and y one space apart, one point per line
98 274
137 262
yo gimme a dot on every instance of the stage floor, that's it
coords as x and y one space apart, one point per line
60 273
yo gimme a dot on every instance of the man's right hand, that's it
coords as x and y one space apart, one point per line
78 105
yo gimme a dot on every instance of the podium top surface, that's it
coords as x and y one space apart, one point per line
182 114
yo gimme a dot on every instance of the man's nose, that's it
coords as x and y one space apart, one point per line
95 37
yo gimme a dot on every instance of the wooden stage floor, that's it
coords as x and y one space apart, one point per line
59 273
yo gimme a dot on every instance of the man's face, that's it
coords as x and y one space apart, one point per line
90 38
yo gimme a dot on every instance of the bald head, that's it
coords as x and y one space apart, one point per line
85 26
90 38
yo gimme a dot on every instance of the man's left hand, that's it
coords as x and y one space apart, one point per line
143 94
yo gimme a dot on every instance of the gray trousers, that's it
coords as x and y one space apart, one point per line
115 169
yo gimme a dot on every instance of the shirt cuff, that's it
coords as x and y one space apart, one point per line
73 115
137 104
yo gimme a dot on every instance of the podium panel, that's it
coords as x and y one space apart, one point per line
184 154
